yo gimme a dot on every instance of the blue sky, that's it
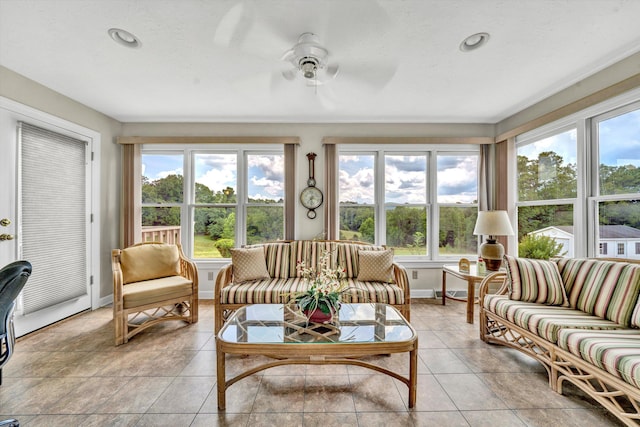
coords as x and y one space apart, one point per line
619 142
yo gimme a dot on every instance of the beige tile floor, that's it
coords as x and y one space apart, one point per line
72 375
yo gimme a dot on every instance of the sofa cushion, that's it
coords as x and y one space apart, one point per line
534 280
375 266
617 352
603 288
544 320
349 256
310 252
155 290
380 292
271 291
149 261
265 291
248 264
277 257
635 317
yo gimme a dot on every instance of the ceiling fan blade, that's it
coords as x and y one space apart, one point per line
235 25
332 70
372 75
290 74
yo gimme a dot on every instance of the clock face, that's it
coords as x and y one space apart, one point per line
311 197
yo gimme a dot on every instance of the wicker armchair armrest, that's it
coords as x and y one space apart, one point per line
116 269
224 278
497 277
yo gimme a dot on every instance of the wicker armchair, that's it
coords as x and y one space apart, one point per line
152 282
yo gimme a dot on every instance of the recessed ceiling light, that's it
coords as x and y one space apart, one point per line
125 38
474 42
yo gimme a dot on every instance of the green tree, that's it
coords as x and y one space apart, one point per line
367 230
539 247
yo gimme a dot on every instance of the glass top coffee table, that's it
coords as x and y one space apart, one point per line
279 332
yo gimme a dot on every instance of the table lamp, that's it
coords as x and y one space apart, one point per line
492 224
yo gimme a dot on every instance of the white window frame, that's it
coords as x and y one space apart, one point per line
188 205
586 242
431 152
578 208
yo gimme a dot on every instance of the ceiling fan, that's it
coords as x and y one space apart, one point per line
309 59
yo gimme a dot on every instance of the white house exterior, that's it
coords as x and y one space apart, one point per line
616 241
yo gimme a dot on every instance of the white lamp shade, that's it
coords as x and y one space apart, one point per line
493 223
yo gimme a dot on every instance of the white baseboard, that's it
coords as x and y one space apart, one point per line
422 293
105 301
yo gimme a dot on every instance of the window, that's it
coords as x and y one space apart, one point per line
618 187
637 248
411 200
579 179
603 249
230 198
547 191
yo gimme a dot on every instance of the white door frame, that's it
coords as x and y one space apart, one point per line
12 111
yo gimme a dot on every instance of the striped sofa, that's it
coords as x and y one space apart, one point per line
247 281
579 317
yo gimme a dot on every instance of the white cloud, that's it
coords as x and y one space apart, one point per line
164 174
358 187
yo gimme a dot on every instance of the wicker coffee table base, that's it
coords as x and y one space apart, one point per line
223 384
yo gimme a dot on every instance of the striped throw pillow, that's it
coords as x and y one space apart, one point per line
603 288
534 280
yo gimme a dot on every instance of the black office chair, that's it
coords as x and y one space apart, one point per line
13 277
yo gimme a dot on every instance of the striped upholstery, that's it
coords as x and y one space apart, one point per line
310 252
534 280
603 288
617 352
268 291
349 259
544 320
280 291
635 317
278 256
359 291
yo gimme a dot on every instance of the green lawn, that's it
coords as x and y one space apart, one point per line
203 247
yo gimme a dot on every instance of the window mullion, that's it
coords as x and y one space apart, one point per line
380 199
241 199
433 216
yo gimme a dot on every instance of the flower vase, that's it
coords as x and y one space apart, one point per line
318 316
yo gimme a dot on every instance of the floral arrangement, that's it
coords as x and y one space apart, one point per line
325 287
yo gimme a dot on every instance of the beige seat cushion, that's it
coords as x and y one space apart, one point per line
155 290
149 262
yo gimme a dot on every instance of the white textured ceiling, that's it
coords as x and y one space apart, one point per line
219 61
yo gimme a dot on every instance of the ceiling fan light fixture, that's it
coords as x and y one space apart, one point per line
309 66
474 41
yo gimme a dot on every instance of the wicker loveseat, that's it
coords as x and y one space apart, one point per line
579 317
268 273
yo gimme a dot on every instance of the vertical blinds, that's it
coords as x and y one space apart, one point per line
54 216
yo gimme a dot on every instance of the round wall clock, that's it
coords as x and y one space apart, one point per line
311 197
